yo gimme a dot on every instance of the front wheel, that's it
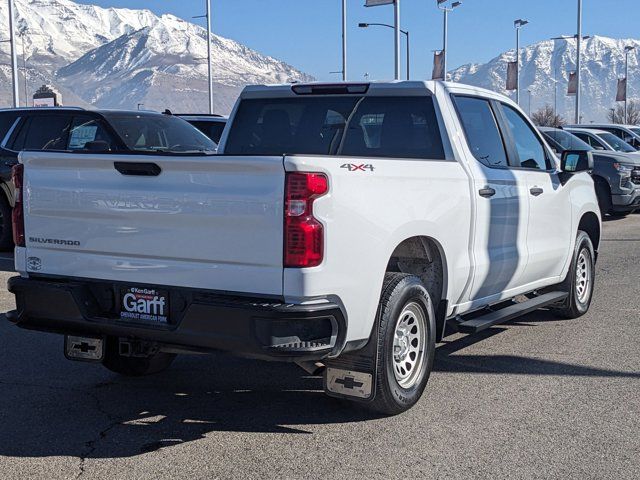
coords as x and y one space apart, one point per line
406 343
580 279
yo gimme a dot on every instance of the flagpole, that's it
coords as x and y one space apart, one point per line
14 55
344 40
209 67
396 16
578 47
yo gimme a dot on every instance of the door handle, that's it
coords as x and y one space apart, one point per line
487 192
143 169
535 191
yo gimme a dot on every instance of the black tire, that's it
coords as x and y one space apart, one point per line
6 228
603 193
401 291
135 366
577 304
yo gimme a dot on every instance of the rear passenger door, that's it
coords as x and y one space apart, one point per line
549 226
502 208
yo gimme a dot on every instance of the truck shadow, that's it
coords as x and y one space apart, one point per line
102 415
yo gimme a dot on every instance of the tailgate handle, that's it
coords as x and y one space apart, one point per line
143 169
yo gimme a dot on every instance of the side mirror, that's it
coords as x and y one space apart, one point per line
575 161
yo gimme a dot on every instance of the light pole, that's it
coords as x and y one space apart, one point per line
209 67
344 40
518 24
22 33
14 56
555 96
627 49
445 31
529 92
396 24
578 58
404 32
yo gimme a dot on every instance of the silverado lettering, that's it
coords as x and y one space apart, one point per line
54 241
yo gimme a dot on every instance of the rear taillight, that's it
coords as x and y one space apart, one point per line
303 234
17 216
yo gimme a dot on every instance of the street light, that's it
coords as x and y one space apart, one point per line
22 33
14 57
445 13
529 91
209 68
518 24
405 32
578 59
627 49
344 40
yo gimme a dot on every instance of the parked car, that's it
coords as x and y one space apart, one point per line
628 133
616 175
211 125
602 140
351 224
79 130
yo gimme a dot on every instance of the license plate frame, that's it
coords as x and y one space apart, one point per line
145 305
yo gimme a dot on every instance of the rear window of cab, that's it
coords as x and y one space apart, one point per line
360 126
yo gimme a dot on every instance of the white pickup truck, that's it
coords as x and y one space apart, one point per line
349 226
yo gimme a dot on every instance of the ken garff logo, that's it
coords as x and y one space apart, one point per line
34 264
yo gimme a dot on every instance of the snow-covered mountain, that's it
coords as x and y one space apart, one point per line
543 63
120 57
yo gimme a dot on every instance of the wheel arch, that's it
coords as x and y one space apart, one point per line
424 257
590 224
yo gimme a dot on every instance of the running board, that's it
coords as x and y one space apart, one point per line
507 313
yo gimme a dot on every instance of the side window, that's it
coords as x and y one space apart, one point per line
482 132
7 120
531 152
595 143
213 130
46 132
16 142
583 137
86 130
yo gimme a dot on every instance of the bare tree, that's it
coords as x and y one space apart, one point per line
547 117
616 115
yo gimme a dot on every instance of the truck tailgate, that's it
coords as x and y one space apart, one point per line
211 222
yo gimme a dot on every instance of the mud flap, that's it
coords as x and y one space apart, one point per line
353 375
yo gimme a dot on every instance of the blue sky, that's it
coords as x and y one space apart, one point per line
306 33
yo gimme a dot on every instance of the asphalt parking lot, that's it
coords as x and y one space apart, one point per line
536 398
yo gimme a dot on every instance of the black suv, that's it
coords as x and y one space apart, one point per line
77 130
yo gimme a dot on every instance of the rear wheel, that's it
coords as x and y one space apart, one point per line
580 279
6 229
135 366
406 343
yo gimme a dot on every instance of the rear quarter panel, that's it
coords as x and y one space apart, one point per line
367 214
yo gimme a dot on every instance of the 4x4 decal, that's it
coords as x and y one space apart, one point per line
354 167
